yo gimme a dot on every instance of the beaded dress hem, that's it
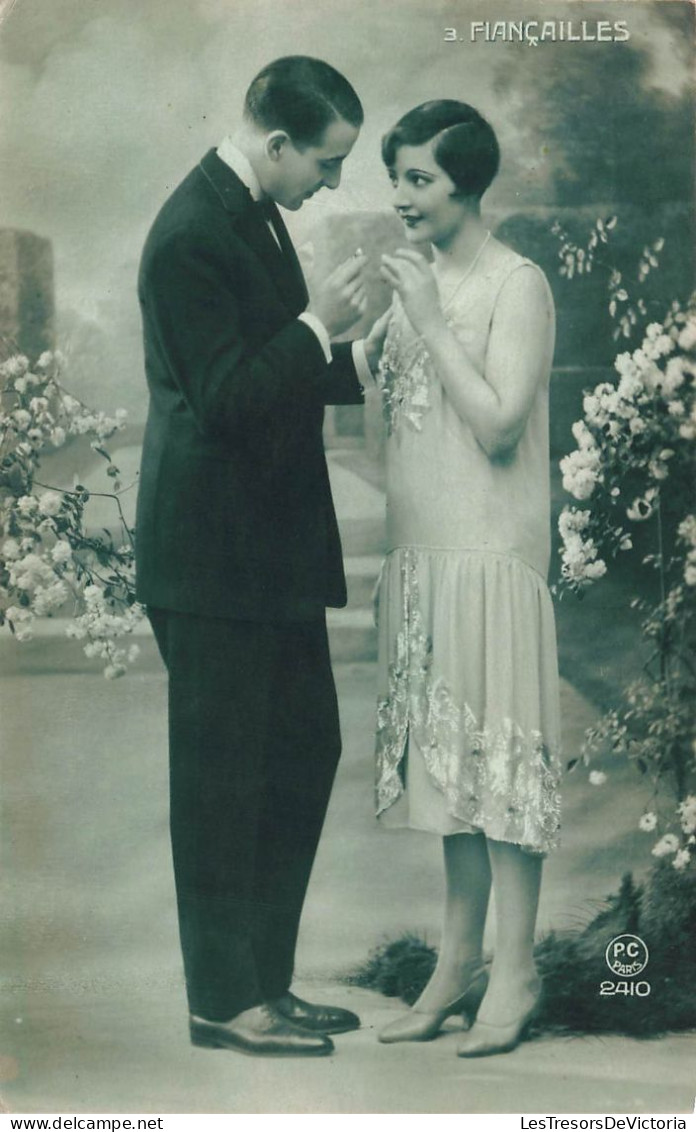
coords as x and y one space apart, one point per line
466 743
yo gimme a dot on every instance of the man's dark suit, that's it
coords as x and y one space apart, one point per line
238 555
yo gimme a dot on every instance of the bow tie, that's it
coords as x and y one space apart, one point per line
266 206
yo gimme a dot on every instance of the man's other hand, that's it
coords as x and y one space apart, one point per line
341 298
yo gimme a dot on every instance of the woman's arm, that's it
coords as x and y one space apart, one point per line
495 403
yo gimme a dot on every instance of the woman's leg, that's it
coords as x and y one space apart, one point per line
513 981
468 884
468 877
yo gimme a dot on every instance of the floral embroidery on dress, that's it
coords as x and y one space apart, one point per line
499 780
403 374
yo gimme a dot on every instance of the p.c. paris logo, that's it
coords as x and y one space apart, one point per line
626 956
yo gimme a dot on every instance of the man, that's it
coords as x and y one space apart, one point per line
238 552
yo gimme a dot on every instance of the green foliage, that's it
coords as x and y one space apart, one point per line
584 326
397 969
605 131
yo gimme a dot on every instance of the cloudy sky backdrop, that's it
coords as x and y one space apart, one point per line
106 104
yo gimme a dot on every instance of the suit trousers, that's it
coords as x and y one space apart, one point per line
254 741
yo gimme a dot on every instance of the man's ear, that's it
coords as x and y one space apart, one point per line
275 144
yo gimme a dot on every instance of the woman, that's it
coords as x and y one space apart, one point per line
468 721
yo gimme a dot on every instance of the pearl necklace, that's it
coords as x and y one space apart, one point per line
467 273
417 351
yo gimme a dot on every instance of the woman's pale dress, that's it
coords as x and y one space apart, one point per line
468 733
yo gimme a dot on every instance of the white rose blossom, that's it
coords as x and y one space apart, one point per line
687 530
690 573
101 629
687 430
681 858
50 502
70 405
666 845
687 336
630 386
624 364
29 572
581 471
15 366
10 549
590 406
17 613
27 505
580 561
61 552
41 568
47 599
687 814
673 377
648 822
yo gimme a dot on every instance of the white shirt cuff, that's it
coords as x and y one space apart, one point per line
320 330
362 368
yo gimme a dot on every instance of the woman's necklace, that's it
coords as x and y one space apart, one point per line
404 379
467 273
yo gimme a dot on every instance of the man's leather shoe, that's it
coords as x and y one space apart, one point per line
262 1031
316 1019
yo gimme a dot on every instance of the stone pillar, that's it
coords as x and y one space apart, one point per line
27 311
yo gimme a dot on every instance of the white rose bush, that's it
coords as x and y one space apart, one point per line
51 561
632 479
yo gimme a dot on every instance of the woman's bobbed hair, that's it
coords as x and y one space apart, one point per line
465 146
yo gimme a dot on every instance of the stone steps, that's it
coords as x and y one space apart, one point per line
361 577
352 635
360 509
352 632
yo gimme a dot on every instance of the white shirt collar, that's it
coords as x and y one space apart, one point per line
227 151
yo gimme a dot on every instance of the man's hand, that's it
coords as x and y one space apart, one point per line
341 298
374 342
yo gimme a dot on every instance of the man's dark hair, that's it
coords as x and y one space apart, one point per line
464 144
301 96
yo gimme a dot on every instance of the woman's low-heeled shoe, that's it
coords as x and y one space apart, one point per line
423 1025
486 1039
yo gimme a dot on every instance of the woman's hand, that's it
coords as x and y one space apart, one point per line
410 275
374 343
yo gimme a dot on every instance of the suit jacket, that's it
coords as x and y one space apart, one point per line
235 517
